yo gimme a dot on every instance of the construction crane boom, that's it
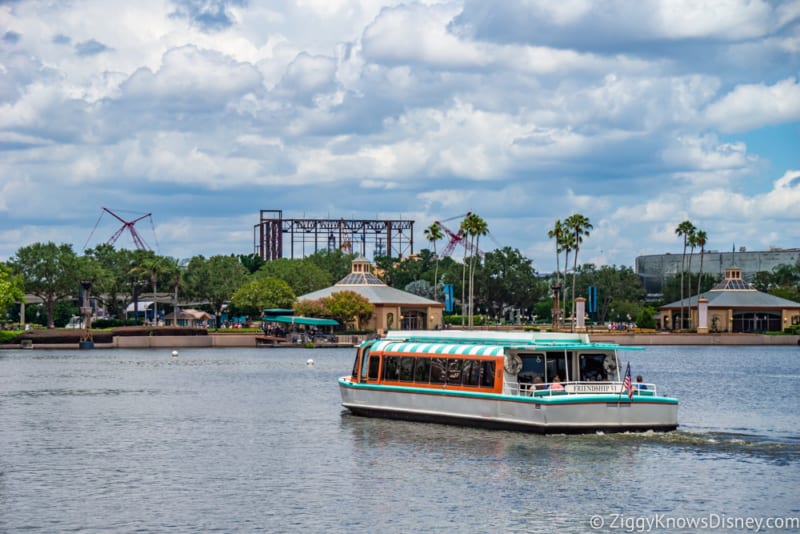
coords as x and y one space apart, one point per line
137 239
456 238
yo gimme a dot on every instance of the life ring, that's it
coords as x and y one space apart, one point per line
513 364
610 365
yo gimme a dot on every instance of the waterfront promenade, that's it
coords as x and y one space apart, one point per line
246 340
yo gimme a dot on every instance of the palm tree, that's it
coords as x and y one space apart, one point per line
151 267
172 270
567 245
557 233
684 229
462 232
579 227
434 233
692 241
475 228
701 238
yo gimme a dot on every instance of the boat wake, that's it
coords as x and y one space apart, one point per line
780 448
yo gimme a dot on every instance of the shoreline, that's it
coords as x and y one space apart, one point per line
253 341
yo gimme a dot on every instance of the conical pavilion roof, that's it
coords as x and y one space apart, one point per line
735 292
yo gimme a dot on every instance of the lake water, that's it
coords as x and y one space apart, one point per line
255 440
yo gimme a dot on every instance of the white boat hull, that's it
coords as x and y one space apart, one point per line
558 414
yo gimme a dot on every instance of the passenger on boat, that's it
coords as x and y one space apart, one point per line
639 384
538 383
556 384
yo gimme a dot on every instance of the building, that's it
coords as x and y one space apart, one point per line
733 305
188 317
393 309
655 270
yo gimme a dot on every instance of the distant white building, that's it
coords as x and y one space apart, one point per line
656 269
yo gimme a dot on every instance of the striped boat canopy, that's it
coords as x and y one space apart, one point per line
480 349
445 349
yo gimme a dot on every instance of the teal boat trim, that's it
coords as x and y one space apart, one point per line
549 400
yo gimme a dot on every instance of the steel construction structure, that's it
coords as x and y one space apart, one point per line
394 238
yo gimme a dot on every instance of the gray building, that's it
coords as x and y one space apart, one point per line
656 269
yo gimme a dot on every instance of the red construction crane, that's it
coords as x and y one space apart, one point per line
456 238
126 225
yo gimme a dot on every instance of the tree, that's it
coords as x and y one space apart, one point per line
578 226
557 233
434 233
701 238
508 280
347 306
151 267
310 308
302 275
335 262
174 271
11 287
51 272
215 280
474 227
423 288
263 292
251 262
112 284
684 229
567 245
618 288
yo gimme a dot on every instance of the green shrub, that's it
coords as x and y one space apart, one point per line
159 331
8 336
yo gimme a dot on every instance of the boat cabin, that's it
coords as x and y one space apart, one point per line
508 364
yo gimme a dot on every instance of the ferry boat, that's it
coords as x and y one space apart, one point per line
527 381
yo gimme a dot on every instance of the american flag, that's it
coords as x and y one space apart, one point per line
627 382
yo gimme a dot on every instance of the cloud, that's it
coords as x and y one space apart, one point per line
751 106
617 23
210 15
11 37
192 79
90 48
525 111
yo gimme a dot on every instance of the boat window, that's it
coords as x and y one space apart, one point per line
391 368
487 373
454 371
438 370
374 364
422 370
557 364
355 367
471 372
532 366
407 369
592 368
365 360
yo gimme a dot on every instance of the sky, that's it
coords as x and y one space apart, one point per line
201 113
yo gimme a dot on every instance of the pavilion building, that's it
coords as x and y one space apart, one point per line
393 309
733 305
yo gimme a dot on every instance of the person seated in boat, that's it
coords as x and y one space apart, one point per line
538 383
639 383
556 385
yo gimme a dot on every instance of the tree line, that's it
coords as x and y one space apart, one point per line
501 285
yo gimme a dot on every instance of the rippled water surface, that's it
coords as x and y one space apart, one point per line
241 440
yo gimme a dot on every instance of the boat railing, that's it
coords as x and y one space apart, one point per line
552 389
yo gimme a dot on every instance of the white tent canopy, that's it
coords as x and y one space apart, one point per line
143 305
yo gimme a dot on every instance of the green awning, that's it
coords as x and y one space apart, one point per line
307 321
278 311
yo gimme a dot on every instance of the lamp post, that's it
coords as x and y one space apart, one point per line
86 316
